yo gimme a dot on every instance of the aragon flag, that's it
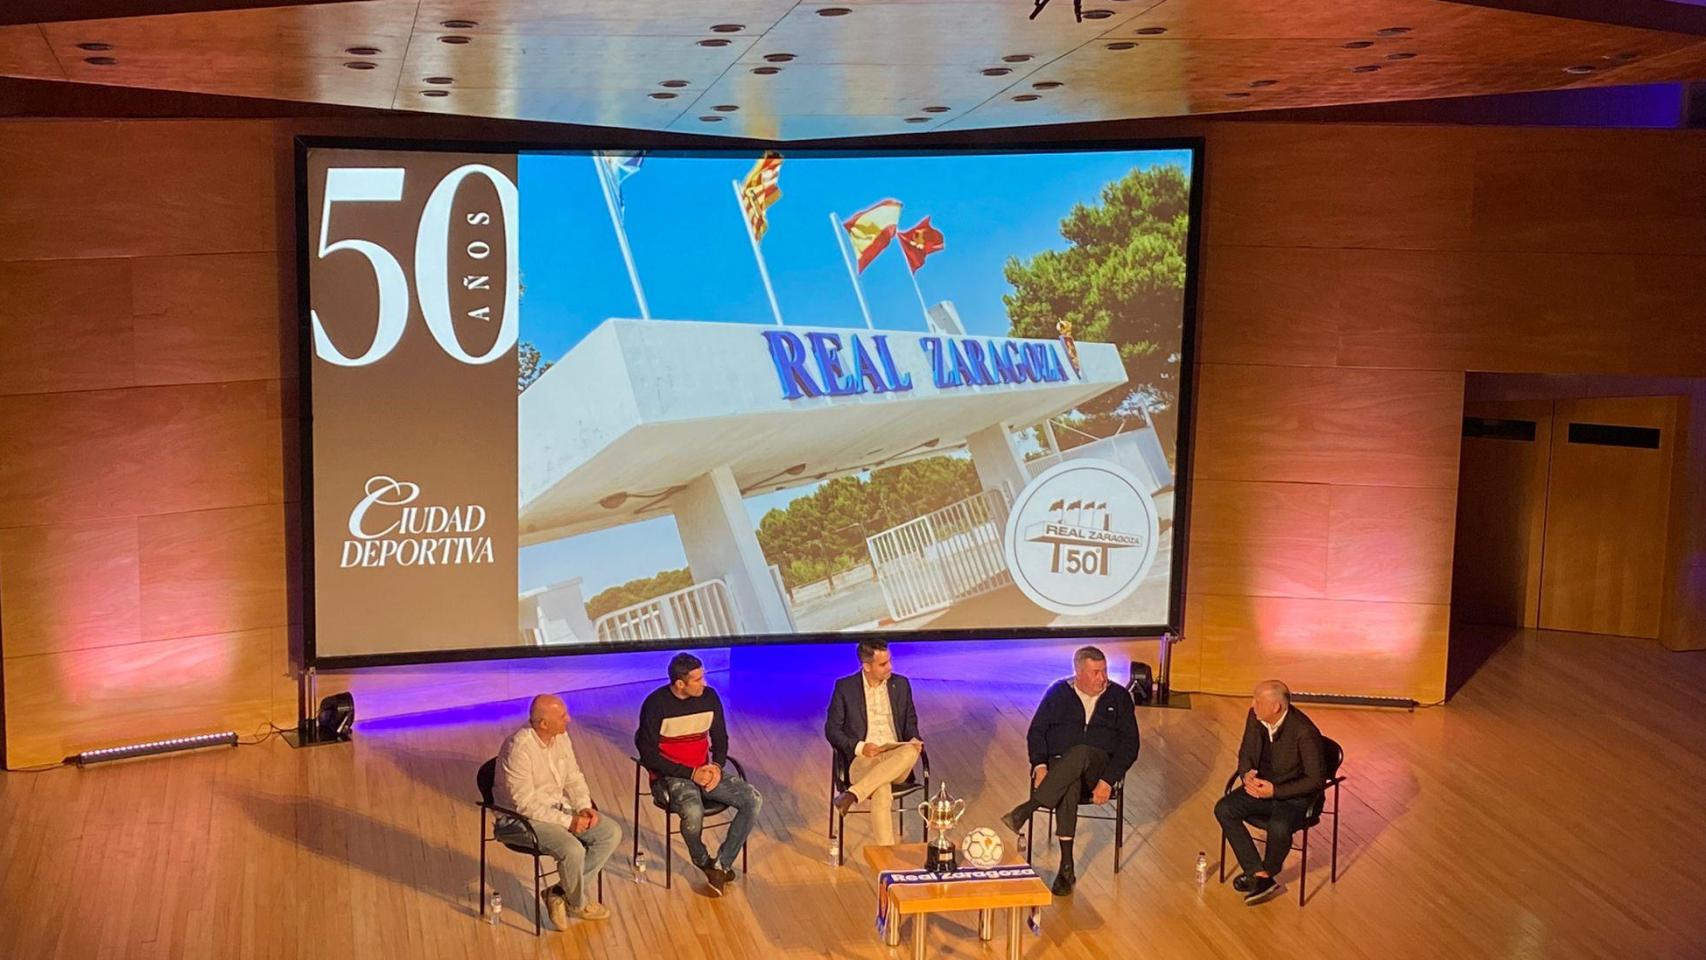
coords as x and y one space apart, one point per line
871 229
759 190
920 241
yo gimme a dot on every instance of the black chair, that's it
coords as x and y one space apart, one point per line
1335 756
840 779
484 779
712 808
1117 798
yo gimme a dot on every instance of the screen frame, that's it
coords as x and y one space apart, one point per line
1183 443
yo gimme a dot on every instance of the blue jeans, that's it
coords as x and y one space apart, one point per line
579 856
688 801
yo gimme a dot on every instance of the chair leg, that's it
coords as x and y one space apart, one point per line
1119 829
636 820
482 861
840 848
1223 858
1303 872
538 905
1334 873
743 868
1030 835
668 853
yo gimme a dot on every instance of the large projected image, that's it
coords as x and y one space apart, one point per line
753 396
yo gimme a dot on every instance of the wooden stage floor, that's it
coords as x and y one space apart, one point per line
1551 810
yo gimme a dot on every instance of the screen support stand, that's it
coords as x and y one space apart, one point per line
307 732
1164 693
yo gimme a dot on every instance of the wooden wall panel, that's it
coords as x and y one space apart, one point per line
1259 539
1328 425
1390 544
69 586
212 571
67 326
214 318
1501 518
1274 306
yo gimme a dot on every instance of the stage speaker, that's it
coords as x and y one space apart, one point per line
333 722
1142 684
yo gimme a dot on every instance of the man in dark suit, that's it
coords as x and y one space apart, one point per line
874 727
1281 768
1083 738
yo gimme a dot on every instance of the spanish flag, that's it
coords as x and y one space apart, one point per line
759 190
919 242
871 229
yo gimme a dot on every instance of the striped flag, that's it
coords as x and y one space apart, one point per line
759 190
920 241
871 229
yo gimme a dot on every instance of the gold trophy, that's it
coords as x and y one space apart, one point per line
941 813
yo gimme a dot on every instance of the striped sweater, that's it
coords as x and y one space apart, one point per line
677 734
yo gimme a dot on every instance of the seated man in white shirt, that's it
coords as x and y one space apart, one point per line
539 778
873 725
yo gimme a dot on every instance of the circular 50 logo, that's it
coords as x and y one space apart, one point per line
1081 536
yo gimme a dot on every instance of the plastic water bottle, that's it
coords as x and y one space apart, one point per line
834 850
1202 867
640 867
494 908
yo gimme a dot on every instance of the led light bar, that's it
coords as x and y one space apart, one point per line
174 745
1353 700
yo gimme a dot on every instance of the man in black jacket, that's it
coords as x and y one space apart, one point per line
1281 769
1082 740
874 727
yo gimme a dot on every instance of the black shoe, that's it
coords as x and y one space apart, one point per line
713 879
728 875
1262 889
1063 881
844 801
1243 882
1012 821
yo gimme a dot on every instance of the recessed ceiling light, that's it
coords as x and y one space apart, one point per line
727 27
1151 31
1238 94
1579 69
101 61
833 11
1122 45
1402 55
460 24
710 118
672 84
662 95
917 119
441 80
435 93
725 108
1046 85
455 40
1359 44
1366 68
1016 58
1026 98
1098 14
361 65
362 51
1623 57
92 46
996 71
779 57
1391 31
767 71
714 42
937 109
1263 83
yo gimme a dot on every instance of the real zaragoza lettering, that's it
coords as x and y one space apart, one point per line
822 365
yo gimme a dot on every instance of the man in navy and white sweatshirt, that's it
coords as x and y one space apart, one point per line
1082 741
683 741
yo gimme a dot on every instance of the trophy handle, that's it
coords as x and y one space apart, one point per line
924 811
959 808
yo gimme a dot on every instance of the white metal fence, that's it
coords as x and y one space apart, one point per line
949 554
702 610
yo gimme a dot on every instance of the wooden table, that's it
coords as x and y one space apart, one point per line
919 900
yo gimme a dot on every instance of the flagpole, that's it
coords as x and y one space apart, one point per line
757 252
852 272
601 169
929 324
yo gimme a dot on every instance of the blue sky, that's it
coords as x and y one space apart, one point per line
695 263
